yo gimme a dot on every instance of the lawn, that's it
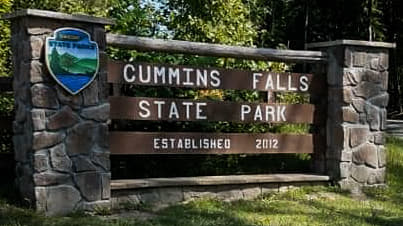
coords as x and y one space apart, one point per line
304 206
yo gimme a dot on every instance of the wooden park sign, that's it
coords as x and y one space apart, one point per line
165 109
76 131
208 78
209 143
142 108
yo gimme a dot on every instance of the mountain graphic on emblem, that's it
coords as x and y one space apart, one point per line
72 59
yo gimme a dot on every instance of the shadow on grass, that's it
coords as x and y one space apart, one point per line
200 213
325 212
369 215
322 206
9 194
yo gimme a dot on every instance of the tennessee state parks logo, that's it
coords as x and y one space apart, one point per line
72 58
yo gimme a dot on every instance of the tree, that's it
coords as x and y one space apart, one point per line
217 21
5 62
90 7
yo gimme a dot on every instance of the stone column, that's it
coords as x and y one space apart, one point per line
60 140
357 98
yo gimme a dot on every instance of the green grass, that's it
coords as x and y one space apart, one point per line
304 206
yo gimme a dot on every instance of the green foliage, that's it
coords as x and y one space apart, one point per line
6 104
217 21
90 7
6 100
376 27
271 19
6 109
5 63
131 19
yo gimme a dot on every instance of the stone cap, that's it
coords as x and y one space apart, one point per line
57 16
350 43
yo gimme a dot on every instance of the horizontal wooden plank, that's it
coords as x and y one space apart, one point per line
163 109
216 50
6 84
216 180
212 78
132 143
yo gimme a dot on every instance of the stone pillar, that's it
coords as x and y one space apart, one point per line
60 140
357 98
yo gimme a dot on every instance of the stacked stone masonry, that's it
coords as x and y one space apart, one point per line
357 100
60 140
163 196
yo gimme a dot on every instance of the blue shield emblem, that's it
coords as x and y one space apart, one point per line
72 58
